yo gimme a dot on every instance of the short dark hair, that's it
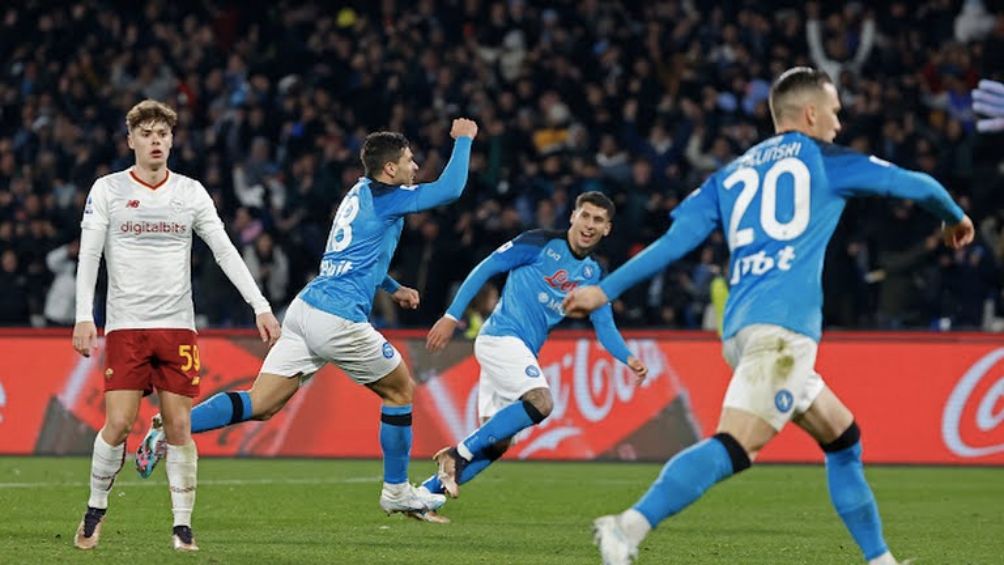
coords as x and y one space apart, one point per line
597 199
380 148
794 81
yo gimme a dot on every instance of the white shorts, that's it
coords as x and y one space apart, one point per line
774 373
311 337
508 371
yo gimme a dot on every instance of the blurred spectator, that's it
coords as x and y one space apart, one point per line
60 302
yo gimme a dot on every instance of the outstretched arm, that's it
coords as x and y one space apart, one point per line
613 341
450 184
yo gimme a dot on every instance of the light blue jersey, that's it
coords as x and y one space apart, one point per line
365 232
542 270
778 205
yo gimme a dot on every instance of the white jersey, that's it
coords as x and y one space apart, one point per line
146 234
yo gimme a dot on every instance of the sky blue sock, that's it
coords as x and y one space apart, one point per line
471 470
395 441
854 501
689 474
221 409
506 423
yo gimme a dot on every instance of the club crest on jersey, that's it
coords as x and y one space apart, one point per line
177 205
559 281
587 271
783 400
132 204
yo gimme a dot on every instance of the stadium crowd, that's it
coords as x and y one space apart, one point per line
640 100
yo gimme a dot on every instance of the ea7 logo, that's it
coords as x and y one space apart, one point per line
132 204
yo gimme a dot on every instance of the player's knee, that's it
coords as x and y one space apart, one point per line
178 431
402 393
850 438
116 429
538 404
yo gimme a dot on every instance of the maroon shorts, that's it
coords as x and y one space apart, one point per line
162 359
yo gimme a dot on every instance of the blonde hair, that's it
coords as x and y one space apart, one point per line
151 111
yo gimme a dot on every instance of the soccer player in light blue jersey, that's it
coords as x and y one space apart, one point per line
513 394
328 321
778 205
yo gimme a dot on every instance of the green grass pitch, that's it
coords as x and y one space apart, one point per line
323 511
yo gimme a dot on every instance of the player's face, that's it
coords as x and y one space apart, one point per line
405 168
151 141
590 224
827 124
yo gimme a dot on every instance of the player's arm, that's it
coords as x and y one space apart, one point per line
404 296
693 220
613 341
520 251
852 174
93 231
209 227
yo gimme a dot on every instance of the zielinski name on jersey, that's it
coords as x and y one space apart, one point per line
759 264
141 228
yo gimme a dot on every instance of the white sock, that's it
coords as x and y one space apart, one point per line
884 559
634 525
182 469
464 452
106 462
395 489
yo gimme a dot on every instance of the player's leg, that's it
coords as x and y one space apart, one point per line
128 376
832 425
512 393
472 469
182 465
176 379
772 367
121 407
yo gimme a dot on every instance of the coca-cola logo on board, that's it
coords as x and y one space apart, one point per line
972 424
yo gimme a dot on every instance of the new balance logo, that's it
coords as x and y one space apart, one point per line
132 204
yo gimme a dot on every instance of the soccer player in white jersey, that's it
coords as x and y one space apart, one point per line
142 219
328 322
779 203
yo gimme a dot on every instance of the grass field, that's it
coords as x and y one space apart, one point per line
310 511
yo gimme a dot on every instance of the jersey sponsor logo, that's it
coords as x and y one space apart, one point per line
132 204
972 424
532 371
332 268
504 247
759 264
388 350
143 228
89 206
553 254
559 281
783 400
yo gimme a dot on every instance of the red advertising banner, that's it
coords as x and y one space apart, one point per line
919 398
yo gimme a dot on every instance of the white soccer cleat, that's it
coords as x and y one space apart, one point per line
402 498
615 547
432 501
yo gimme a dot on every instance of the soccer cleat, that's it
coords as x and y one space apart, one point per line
402 498
152 449
89 530
615 548
430 516
432 500
450 465
183 539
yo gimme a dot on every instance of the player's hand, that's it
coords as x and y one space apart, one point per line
462 127
959 235
406 298
268 328
85 338
440 334
639 368
582 301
